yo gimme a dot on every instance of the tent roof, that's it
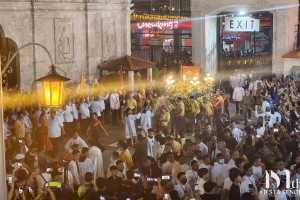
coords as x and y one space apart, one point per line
293 54
128 63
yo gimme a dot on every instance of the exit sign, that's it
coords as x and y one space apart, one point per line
241 24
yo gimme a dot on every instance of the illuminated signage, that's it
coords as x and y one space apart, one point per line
161 25
241 24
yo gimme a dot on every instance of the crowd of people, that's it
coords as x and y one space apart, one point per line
165 151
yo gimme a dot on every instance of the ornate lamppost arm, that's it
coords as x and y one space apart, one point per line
18 50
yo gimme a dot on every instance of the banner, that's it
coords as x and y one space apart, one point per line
187 73
241 24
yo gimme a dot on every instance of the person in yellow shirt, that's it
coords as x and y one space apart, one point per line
209 111
165 121
131 102
125 155
195 111
220 98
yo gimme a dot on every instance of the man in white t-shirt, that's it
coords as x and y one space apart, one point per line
237 96
55 127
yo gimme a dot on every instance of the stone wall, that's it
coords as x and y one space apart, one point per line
80 34
285 17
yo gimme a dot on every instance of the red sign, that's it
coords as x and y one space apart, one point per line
161 25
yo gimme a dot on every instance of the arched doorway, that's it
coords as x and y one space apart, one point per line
11 79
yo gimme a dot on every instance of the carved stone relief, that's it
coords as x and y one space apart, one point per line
64 41
109 37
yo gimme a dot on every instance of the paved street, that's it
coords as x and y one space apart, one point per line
117 132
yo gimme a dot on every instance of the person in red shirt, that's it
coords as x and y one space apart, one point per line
95 126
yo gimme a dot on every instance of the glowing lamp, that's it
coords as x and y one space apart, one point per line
53 86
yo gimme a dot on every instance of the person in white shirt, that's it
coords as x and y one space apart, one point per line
76 139
257 170
276 116
158 146
280 166
218 172
259 112
248 183
192 174
113 162
74 110
129 125
96 155
84 115
150 142
27 122
73 166
146 116
102 98
237 96
204 176
183 188
43 177
96 106
200 145
55 127
168 166
85 164
115 106
68 115
181 166
236 132
206 163
234 154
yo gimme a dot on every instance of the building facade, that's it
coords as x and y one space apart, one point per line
210 18
79 34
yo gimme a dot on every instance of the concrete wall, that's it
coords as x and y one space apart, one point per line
80 34
285 17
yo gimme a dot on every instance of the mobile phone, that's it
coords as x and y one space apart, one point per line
137 175
102 198
49 169
275 130
155 179
46 185
19 164
20 190
241 134
30 190
10 180
149 179
167 196
165 177
196 188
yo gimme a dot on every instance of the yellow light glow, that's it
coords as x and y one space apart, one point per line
52 93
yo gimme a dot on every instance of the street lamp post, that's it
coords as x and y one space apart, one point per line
52 87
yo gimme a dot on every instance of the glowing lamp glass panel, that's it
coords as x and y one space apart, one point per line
52 93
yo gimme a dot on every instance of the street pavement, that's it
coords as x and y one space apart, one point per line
116 133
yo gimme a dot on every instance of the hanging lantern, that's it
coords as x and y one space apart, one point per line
53 86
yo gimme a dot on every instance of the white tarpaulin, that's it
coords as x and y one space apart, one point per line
241 24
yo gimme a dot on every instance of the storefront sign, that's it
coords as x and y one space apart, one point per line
241 24
161 25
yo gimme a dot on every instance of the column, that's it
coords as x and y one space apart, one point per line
149 74
131 80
